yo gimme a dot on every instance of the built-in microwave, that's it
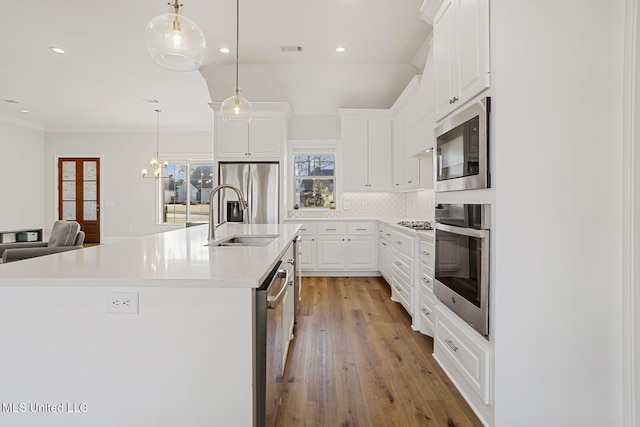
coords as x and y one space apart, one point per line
462 262
462 149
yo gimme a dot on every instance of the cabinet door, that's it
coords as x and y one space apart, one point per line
332 252
361 252
265 138
355 154
308 253
379 154
472 36
231 141
444 56
398 151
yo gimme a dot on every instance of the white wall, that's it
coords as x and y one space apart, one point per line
128 200
557 140
21 175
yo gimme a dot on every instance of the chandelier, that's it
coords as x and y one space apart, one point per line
155 168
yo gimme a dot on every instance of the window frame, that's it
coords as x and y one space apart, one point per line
313 147
190 163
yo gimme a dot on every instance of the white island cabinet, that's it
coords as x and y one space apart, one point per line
154 330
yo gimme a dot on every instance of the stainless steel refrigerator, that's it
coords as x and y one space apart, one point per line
260 184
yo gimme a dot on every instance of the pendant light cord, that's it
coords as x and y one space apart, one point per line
158 135
237 41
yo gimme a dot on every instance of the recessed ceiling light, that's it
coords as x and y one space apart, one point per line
341 49
224 50
24 110
56 49
10 101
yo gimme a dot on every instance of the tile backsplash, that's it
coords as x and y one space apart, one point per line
414 204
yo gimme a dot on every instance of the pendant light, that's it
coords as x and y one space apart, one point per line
156 167
175 42
236 110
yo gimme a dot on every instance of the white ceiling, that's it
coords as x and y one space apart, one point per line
106 76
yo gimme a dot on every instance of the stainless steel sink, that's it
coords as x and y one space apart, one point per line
248 240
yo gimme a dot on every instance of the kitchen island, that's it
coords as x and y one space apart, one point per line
72 357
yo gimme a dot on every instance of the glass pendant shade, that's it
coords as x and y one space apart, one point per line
175 42
236 110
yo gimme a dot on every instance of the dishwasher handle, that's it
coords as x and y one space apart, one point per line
274 300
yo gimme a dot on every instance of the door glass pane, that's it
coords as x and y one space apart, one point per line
90 191
90 171
68 190
69 210
90 211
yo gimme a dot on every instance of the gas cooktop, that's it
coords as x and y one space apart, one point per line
416 225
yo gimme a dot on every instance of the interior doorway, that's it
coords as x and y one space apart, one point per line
79 194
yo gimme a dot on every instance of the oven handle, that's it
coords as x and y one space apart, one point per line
472 232
273 301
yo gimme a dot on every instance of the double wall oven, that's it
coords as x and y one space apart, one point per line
462 261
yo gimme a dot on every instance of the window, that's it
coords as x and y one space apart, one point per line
314 180
185 190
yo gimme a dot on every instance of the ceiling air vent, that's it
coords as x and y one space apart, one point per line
285 49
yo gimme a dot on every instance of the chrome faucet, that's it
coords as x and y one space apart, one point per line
212 226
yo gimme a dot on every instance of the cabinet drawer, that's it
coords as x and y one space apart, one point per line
355 228
399 291
466 353
403 243
426 252
382 231
404 265
332 229
427 313
308 229
426 276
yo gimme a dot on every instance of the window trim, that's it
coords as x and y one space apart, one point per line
190 162
308 147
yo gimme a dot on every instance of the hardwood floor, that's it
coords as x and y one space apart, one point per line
355 361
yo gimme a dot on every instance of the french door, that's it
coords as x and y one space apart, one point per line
79 194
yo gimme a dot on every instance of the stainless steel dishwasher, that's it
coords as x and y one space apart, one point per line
270 339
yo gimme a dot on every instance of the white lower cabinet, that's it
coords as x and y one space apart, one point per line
308 247
464 355
332 252
384 252
402 281
338 248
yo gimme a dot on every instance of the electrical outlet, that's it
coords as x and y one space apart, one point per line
346 206
365 206
122 303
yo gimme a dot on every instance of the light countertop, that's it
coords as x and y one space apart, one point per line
388 221
177 258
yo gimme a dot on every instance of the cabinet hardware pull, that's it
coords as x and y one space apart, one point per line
398 242
409 182
397 184
313 240
387 234
425 253
425 280
384 244
303 229
361 229
330 229
343 240
426 313
455 99
450 344
349 239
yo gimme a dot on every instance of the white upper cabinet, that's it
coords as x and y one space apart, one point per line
461 53
263 139
406 168
366 150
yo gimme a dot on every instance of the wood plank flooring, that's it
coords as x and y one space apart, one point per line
355 361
